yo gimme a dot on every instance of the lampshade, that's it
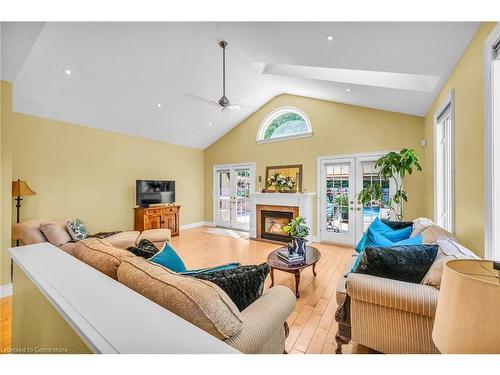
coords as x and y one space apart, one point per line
21 188
468 312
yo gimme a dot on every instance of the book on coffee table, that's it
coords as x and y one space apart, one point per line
290 258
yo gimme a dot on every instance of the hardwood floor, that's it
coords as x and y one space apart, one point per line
5 324
312 323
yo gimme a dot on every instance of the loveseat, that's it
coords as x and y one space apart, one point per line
391 316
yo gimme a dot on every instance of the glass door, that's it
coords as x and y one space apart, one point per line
241 206
337 197
223 198
366 176
342 219
233 185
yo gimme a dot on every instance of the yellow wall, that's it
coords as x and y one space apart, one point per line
90 174
338 129
467 80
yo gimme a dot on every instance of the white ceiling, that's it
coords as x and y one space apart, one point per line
120 71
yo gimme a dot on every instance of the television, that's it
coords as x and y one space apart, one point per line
149 192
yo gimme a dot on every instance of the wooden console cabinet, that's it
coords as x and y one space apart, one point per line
166 217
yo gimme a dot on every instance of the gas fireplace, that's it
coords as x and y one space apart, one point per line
273 223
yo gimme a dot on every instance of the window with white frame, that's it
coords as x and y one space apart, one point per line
284 123
444 155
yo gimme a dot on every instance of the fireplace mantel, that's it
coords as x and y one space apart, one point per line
303 201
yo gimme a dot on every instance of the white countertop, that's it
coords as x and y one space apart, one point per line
108 316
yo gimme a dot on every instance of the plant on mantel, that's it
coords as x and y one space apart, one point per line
392 166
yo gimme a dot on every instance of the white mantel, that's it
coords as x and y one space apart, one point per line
304 201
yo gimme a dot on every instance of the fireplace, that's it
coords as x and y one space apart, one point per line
272 224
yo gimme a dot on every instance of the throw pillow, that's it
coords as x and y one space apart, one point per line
243 284
419 225
434 232
403 263
397 224
448 250
380 227
56 233
374 239
168 258
224 267
144 249
77 230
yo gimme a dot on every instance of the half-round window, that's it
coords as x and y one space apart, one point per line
284 123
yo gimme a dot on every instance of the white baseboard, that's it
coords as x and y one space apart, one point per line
195 225
5 290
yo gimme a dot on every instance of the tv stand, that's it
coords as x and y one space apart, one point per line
157 217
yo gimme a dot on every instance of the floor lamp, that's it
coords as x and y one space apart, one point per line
19 189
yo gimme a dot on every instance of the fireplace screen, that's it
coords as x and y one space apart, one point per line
272 224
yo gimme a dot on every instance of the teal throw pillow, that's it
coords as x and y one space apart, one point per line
378 226
168 258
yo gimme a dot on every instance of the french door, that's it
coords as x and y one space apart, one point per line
342 219
232 187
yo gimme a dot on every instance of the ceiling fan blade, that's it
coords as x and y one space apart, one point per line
205 100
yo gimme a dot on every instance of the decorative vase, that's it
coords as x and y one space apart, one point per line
301 246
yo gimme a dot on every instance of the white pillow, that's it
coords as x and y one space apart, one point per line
419 225
448 250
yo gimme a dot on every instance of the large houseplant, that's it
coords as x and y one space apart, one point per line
298 231
392 166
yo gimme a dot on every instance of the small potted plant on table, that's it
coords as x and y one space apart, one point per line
298 231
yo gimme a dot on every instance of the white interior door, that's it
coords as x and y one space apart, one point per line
232 187
342 220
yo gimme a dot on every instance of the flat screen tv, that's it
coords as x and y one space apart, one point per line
154 192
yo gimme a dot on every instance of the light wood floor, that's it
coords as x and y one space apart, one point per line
312 323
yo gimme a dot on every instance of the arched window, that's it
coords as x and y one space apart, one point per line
284 123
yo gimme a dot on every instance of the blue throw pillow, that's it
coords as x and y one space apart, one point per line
378 226
168 258
224 267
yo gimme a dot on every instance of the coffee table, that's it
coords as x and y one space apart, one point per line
312 257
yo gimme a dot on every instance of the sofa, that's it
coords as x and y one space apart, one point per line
389 316
259 329
29 232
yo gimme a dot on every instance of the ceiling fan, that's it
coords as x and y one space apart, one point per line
223 103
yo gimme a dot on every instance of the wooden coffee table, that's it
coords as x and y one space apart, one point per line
312 257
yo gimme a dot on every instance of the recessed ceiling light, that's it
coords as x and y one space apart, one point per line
209 124
159 105
67 71
348 90
330 37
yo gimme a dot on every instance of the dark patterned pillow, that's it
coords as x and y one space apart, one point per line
145 249
77 230
405 263
243 284
397 224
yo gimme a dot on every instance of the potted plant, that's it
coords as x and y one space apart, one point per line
395 166
298 231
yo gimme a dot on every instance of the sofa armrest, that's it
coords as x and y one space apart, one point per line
263 319
414 298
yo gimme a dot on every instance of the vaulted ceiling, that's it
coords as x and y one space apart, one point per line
141 78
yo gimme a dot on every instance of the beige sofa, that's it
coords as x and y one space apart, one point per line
386 315
259 329
28 233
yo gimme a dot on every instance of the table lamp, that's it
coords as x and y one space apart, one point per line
467 315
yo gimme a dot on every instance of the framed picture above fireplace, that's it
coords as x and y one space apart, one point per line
290 171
